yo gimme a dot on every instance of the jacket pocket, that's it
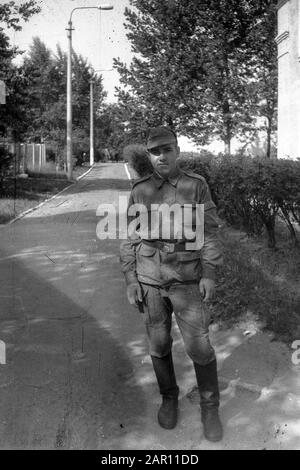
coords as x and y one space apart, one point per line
146 250
147 263
189 265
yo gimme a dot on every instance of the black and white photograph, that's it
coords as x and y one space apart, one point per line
149 228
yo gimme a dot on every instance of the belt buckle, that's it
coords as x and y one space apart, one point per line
168 247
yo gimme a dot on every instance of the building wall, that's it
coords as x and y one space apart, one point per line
288 41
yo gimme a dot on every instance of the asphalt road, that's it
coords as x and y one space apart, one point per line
77 372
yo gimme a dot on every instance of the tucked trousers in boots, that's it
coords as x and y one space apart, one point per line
193 319
207 381
165 375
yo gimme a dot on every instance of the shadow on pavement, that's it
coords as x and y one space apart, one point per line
90 185
64 381
78 375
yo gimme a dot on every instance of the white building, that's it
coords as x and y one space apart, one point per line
288 41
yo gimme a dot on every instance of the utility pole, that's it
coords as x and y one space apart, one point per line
69 102
69 85
92 122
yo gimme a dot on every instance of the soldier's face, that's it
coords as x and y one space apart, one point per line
163 158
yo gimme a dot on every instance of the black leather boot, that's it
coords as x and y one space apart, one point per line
207 381
165 375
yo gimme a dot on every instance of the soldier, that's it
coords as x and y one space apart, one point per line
163 276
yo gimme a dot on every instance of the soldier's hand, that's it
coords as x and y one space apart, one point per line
207 288
134 294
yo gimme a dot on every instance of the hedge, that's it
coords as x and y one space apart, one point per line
250 193
6 162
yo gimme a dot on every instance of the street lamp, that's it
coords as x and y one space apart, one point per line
69 85
91 123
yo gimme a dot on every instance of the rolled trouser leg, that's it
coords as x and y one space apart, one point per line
207 381
165 375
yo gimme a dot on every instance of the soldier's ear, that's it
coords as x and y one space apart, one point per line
178 150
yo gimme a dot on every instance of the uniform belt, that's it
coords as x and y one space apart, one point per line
166 247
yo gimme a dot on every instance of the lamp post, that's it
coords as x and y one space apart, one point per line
69 85
91 123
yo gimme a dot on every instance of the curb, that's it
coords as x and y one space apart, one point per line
84 174
127 172
20 216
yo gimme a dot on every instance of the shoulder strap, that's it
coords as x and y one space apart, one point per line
194 175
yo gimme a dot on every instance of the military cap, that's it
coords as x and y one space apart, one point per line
160 136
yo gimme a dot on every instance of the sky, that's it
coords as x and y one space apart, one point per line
98 35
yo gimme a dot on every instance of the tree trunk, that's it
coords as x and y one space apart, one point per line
270 118
227 146
287 220
270 226
269 132
169 120
227 128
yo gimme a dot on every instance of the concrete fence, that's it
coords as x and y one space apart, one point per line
30 157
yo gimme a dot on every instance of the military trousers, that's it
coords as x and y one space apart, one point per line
191 314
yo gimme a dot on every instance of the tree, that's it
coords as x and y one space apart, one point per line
46 89
36 105
41 92
11 14
265 88
11 114
195 62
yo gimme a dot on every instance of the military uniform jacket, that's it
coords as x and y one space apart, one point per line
142 261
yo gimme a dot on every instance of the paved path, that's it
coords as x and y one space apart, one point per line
78 375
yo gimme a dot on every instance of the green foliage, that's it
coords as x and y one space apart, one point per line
6 162
36 101
37 104
11 13
257 285
200 162
13 112
46 90
252 192
206 68
137 157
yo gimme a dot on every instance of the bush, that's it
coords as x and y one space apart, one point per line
199 163
234 189
50 154
250 193
6 163
288 193
137 157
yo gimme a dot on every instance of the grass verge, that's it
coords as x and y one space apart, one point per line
259 285
21 194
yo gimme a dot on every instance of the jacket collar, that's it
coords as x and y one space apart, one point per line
159 180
